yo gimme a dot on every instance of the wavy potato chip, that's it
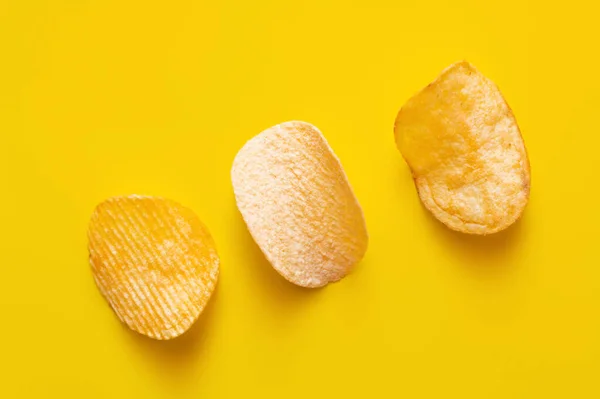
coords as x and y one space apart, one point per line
298 205
464 148
154 262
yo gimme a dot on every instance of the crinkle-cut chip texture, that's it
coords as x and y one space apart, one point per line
465 150
154 261
298 205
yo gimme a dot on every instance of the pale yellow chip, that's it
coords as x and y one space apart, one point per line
465 150
298 205
154 262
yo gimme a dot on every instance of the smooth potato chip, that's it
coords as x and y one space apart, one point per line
298 205
154 262
465 150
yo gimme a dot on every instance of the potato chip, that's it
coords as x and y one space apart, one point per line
465 150
154 262
298 205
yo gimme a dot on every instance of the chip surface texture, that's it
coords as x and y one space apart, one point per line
465 150
154 262
298 205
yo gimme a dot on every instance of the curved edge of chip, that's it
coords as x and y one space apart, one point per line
168 333
239 176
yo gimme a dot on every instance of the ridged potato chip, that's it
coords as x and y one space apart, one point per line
298 205
466 153
154 262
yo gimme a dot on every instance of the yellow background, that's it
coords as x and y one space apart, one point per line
107 97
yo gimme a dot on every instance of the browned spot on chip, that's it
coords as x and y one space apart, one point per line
465 150
154 262
298 205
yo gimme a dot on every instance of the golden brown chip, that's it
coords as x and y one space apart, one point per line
154 262
298 205
465 150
